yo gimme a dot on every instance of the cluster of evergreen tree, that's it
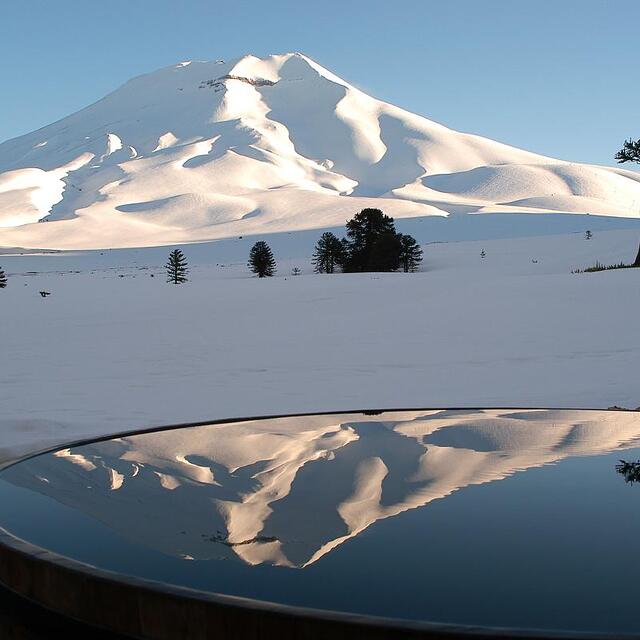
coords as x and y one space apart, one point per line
372 244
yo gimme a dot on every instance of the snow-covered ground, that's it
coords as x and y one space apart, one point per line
115 349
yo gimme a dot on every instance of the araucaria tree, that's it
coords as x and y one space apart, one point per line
410 254
3 279
176 267
372 243
363 231
261 260
328 253
630 152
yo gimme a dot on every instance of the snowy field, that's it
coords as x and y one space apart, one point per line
113 348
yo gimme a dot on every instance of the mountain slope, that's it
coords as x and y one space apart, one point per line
205 150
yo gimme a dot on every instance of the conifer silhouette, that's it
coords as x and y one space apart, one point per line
630 152
328 253
372 244
3 279
261 260
410 254
176 267
364 230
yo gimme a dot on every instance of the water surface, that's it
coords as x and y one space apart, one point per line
501 517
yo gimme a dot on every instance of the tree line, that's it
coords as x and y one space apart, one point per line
371 244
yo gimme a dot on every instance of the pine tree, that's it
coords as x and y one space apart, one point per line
176 267
630 152
261 260
3 279
410 253
363 231
328 253
483 253
588 235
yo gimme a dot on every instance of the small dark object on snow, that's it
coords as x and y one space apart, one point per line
44 294
588 235
3 279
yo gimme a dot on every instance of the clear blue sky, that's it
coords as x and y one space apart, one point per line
560 77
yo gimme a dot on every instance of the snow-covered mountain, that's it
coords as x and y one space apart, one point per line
206 150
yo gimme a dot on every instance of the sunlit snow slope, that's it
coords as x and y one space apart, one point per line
207 150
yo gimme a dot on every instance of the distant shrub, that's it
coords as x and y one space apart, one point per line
3 279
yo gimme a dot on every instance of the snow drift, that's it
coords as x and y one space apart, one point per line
207 150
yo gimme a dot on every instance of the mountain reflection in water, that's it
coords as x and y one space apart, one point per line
287 491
